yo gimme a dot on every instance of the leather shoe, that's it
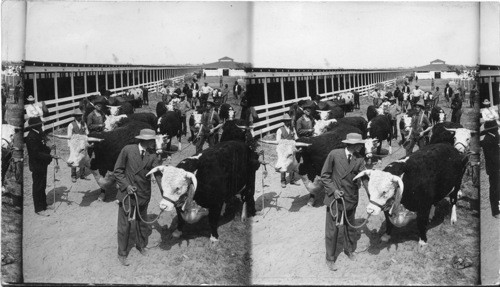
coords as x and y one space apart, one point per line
331 265
73 179
283 185
294 183
143 251
43 213
351 256
123 260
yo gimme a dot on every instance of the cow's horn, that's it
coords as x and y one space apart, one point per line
155 169
191 176
399 181
298 144
92 139
472 132
269 142
366 172
242 127
451 130
61 137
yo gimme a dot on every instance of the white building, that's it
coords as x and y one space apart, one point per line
225 67
436 70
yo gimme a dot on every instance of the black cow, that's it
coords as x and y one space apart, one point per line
371 112
434 117
161 109
148 118
380 128
223 172
430 174
358 122
170 124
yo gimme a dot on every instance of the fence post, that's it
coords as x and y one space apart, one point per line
56 95
35 89
266 101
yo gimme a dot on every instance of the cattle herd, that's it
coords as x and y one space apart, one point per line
204 184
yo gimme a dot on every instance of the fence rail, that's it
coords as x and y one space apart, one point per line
273 117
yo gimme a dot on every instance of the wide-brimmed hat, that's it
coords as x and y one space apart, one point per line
286 117
35 121
420 105
100 100
146 134
31 98
486 102
354 138
210 99
417 86
308 105
78 112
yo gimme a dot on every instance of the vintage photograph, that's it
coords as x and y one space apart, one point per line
238 143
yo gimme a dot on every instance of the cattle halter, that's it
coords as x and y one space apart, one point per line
335 216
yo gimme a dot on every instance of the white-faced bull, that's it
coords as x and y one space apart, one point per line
408 188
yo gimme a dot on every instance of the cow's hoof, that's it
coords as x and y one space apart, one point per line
422 245
176 234
101 197
213 240
386 237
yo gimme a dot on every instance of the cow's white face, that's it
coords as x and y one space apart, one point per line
111 122
382 186
370 146
160 142
407 122
8 132
170 107
114 110
197 119
405 96
286 161
78 155
321 126
462 139
324 115
175 183
442 116
231 114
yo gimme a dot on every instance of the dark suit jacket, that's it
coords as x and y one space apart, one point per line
337 174
195 86
406 89
38 152
131 169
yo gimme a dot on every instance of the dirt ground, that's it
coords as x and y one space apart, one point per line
288 236
78 242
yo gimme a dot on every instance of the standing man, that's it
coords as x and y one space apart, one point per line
164 92
472 97
210 123
456 107
17 92
184 107
394 110
195 87
435 97
77 127
145 96
131 167
490 145
406 88
204 76
237 89
305 124
417 93
420 126
356 99
220 81
339 170
375 97
206 90
399 96
39 158
34 109
448 92
96 119
225 93
432 84
286 133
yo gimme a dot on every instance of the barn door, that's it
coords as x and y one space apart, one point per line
437 75
225 72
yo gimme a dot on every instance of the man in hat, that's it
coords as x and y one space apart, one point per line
210 123
134 192
435 97
77 127
305 124
375 97
225 93
96 119
356 99
206 90
473 96
456 107
286 133
184 106
394 110
490 145
339 170
406 88
237 89
416 95
420 126
39 158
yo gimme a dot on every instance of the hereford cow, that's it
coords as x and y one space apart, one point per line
452 133
437 115
223 172
313 151
413 184
170 124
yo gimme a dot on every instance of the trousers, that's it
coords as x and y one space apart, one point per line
494 180
38 190
332 234
136 228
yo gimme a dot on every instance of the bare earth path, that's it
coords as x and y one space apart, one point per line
288 237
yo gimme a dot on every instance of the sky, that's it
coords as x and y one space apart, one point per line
268 34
